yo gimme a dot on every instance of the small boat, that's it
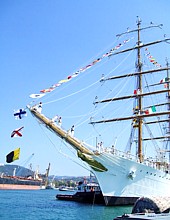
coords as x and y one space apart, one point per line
66 188
149 208
50 186
86 193
144 216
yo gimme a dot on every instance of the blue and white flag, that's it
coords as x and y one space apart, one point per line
19 114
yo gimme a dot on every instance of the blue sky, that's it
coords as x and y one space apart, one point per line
41 43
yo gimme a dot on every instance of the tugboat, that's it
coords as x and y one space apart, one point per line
86 193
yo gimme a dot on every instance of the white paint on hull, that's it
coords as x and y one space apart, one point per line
147 181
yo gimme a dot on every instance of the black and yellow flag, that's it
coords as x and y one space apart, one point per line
13 155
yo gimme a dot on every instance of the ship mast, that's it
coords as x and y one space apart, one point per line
168 145
139 116
139 68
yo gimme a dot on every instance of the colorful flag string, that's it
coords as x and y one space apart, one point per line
75 74
151 58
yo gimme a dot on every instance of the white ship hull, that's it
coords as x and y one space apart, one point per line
122 179
125 180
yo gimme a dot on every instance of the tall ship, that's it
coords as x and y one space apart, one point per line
132 111
26 179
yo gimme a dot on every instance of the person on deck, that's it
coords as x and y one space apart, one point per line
59 121
98 147
54 119
38 107
72 130
101 147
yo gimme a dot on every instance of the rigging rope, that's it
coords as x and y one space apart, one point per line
59 151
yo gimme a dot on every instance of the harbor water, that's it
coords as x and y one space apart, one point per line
43 205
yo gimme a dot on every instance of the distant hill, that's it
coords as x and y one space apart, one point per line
8 169
19 170
74 178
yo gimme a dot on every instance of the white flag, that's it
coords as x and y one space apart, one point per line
36 96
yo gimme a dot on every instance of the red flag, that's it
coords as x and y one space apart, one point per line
69 77
147 112
135 92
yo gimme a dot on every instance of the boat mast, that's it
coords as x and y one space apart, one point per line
139 68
